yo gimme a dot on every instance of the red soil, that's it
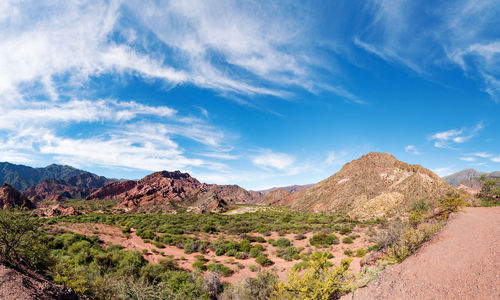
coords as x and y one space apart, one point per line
461 262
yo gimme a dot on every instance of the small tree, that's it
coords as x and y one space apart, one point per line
20 242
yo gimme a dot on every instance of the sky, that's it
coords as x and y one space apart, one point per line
254 93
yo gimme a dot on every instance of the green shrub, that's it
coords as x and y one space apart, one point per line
254 268
220 269
345 230
263 261
282 243
241 255
347 240
317 281
254 252
300 236
323 239
199 265
348 252
360 252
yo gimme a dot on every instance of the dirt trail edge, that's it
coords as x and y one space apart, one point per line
461 262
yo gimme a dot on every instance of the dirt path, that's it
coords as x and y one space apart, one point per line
461 262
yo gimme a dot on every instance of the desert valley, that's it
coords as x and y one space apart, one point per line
170 236
249 150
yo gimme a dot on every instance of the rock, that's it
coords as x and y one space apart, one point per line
56 190
59 210
371 259
27 285
166 191
10 197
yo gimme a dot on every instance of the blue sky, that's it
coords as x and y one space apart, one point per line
253 93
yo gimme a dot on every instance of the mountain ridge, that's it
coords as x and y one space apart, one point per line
23 177
374 185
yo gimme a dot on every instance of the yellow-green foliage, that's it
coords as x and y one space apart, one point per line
411 240
449 204
319 281
69 274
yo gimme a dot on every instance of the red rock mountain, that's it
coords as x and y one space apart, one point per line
375 185
166 191
10 197
78 186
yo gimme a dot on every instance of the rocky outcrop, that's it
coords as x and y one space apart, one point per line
78 186
10 197
59 210
167 190
27 285
375 185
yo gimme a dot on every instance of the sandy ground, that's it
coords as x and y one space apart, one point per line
113 235
461 262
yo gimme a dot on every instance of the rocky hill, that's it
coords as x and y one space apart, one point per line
290 189
375 185
79 186
457 178
10 197
22 177
166 191
28 285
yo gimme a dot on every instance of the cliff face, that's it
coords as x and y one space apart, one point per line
168 190
375 185
10 197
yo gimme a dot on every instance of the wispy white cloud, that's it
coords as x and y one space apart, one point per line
336 157
496 159
445 138
482 154
276 160
412 149
443 171
462 33
467 158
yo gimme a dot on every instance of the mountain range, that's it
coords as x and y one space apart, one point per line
466 175
22 177
376 184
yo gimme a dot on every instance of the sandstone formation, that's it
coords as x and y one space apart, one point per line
54 190
10 197
165 191
375 185
59 210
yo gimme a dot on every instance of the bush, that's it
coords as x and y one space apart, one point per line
348 252
241 255
254 268
199 265
220 269
317 281
282 243
345 230
347 240
360 252
254 252
300 236
263 260
323 239
259 288
450 204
